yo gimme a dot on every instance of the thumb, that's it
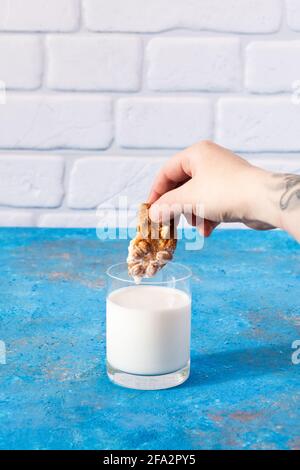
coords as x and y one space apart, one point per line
171 204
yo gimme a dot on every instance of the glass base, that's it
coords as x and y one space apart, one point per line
148 382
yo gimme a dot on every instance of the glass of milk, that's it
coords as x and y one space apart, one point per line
148 327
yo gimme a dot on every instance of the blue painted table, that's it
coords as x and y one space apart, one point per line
243 392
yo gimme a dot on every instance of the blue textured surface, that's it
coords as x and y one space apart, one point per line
243 391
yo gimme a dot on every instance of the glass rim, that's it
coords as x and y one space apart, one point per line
188 275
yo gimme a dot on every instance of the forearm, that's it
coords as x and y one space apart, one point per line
276 201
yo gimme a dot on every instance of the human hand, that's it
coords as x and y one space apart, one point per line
227 187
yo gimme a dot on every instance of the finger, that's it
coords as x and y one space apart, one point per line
172 204
204 226
175 172
193 219
207 227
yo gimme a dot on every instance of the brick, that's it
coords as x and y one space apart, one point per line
101 181
21 61
31 181
68 220
163 122
39 15
272 66
194 64
247 16
94 63
293 14
95 219
259 124
50 122
13 218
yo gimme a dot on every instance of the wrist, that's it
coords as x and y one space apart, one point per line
288 195
262 205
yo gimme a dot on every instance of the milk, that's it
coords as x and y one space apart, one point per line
148 329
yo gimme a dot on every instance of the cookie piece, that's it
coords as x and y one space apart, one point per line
152 248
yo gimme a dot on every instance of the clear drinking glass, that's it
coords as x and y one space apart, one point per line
148 328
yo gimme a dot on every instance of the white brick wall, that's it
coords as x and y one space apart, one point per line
259 124
179 64
96 181
15 218
94 63
41 121
272 66
162 122
21 61
101 92
243 16
293 14
31 181
39 15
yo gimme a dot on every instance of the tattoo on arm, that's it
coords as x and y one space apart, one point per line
291 191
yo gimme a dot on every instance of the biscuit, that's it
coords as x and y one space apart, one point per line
152 248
